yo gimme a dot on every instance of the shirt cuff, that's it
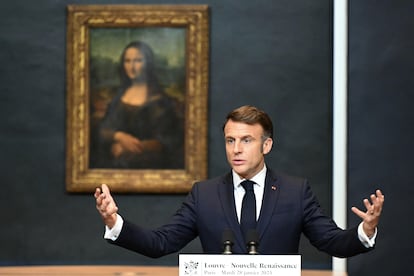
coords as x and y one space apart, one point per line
113 233
365 240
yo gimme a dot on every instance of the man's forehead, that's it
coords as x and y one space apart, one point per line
239 129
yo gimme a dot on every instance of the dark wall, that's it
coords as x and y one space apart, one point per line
273 54
381 133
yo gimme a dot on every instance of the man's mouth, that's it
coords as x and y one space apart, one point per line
238 162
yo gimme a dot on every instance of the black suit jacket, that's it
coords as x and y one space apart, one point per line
289 208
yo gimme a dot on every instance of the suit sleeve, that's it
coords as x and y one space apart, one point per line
323 232
164 240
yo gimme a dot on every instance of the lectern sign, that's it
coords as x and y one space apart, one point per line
242 265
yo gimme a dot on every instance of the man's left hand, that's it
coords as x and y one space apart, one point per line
371 216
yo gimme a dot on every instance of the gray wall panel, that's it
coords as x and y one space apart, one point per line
381 118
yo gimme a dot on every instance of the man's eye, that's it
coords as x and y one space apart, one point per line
230 141
247 140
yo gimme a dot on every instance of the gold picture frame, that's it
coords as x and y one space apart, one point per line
91 28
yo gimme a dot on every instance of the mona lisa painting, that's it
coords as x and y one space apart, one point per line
136 97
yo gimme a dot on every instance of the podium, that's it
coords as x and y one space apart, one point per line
242 265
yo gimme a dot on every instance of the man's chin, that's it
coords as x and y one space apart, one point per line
239 171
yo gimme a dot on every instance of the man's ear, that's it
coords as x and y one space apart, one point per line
267 145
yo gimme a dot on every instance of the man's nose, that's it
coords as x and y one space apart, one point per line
237 147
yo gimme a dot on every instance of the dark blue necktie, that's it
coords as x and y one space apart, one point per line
248 211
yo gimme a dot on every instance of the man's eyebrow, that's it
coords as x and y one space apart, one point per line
247 137
243 137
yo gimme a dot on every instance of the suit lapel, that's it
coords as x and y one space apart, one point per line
270 198
226 194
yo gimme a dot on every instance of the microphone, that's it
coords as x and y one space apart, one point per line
252 238
227 238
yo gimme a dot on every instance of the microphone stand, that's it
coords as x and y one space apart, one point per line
253 242
252 248
228 238
227 248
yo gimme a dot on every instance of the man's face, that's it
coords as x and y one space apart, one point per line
245 148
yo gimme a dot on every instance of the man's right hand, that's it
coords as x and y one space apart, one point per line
106 205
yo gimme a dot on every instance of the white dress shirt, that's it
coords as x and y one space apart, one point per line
258 187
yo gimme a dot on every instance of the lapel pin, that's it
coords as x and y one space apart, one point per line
274 188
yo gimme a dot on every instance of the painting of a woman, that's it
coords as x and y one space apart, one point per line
142 127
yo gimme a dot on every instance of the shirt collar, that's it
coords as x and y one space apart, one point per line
259 178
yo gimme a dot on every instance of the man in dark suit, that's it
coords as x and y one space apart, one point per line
283 206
